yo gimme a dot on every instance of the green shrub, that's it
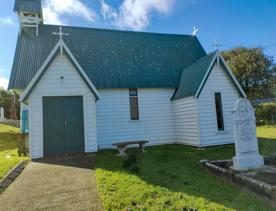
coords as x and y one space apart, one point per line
130 163
134 169
129 160
266 113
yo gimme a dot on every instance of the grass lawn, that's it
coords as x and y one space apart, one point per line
8 148
268 132
171 178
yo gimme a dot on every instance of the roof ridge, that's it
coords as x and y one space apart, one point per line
207 55
119 30
192 75
201 58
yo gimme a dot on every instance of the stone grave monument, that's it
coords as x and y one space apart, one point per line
246 143
2 115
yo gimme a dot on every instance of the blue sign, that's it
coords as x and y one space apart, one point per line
24 122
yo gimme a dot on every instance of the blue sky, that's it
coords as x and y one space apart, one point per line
232 22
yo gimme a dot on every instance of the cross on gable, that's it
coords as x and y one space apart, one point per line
217 44
60 34
195 31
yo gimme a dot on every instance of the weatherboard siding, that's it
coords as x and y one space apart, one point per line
186 121
51 85
155 122
218 81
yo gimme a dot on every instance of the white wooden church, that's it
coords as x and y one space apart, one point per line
85 88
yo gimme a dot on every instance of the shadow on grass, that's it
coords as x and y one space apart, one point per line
86 161
177 168
267 145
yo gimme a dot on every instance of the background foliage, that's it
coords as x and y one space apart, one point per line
5 102
254 70
266 113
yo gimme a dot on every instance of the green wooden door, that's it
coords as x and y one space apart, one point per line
53 125
63 127
73 116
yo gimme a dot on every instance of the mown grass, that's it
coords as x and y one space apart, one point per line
8 148
171 178
267 131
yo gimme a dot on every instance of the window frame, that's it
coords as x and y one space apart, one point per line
222 128
132 96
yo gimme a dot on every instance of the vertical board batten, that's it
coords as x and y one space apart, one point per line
51 84
218 81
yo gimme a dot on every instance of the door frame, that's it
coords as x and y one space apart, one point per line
69 94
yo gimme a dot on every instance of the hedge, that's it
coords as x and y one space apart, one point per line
266 113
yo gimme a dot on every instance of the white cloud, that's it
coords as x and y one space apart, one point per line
54 10
4 82
51 17
7 21
135 14
107 11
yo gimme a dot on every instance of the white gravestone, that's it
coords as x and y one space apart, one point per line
246 143
2 117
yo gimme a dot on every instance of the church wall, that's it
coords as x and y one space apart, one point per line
186 121
52 85
218 81
155 124
190 120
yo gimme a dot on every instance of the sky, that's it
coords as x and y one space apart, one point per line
233 23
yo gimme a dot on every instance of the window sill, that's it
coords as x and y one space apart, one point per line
221 132
134 121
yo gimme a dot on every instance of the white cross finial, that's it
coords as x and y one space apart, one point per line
195 31
60 34
217 44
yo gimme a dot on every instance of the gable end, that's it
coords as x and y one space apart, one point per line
44 67
228 72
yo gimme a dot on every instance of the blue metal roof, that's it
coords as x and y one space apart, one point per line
110 58
32 6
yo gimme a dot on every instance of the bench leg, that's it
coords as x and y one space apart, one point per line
122 150
142 147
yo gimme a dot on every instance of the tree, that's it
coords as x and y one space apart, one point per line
5 102
253 69
272 88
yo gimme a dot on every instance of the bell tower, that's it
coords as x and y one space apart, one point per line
29 13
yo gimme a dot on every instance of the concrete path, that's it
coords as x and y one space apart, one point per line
63 183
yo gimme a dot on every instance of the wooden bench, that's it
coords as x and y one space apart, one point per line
122 146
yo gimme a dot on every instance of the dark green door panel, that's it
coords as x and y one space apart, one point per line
63 126
74 133
53 125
